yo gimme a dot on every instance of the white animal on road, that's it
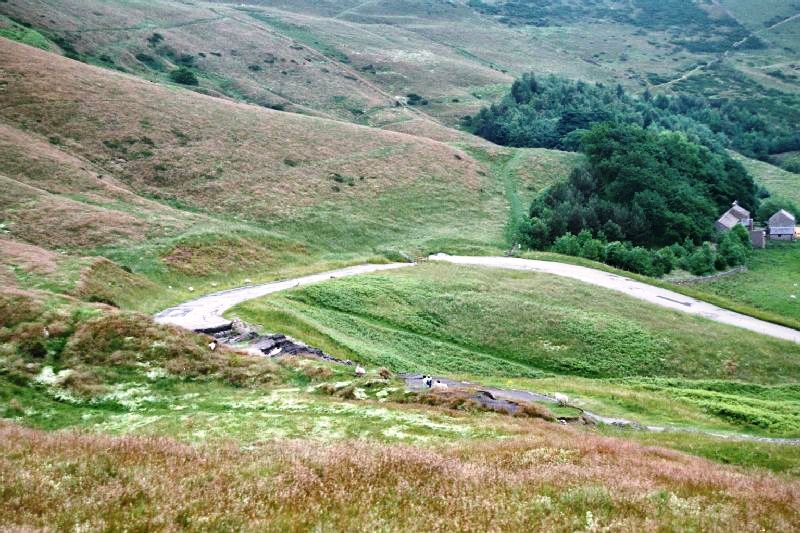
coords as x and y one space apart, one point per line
439 387
562 399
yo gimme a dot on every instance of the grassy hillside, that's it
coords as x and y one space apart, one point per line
351 60
188 190
119 378
320 134
511 322
779 182
772 282
491 324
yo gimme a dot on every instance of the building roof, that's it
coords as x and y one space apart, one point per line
738 211
733 216
728 220
782 218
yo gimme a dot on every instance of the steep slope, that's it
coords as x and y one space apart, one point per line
231 52
166 180
357 61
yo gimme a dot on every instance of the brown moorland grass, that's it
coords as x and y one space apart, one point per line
210 153
289 72
552 479
30 258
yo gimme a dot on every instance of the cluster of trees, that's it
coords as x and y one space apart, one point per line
650 188
732 250
552 112
645 201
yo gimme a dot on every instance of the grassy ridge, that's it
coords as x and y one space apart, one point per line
498 327
532 320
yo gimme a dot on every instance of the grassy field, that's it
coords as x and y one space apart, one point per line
499 327
548 479
513 322
771 282
720 406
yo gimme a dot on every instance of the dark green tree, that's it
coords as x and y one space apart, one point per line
184 76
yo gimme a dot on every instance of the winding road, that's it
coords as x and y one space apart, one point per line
205 313
636 289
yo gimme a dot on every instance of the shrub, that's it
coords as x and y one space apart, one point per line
701 261
155 38
731 251
640 260
567 244
415 99
184 76
593 249
665 260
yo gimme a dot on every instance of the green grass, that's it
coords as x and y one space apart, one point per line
206 411
17 32
441 318
695 291
771 284
778 458
535 332
712 405
778 182
299 34
522 173
411 220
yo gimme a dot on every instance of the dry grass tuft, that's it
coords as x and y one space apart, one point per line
127 340
552 479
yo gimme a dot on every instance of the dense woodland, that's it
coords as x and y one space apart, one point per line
550 112
656 174
638 190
